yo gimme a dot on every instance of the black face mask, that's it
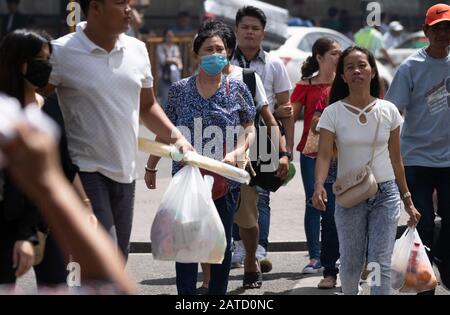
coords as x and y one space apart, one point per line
38 72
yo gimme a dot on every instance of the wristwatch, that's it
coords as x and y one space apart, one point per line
286 153
405 195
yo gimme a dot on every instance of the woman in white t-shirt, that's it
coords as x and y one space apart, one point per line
351 122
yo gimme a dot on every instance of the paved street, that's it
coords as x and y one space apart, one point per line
158 277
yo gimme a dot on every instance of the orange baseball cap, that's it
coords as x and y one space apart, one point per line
438 13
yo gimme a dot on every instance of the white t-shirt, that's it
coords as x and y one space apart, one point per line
260 94
273 74
99 96
354 140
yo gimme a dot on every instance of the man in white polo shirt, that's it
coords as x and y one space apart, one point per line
104 85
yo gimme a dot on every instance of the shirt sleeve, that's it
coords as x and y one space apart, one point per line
327 120
396 117
248 111
147 81
260 94
281 77
399 92
299 94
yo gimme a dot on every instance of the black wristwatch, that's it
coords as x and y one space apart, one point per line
288 154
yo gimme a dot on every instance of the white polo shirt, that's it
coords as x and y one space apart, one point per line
99 96
272 71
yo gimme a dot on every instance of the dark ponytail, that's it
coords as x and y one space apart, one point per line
311 65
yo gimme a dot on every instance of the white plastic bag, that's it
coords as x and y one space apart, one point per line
187 227
411 270
400 257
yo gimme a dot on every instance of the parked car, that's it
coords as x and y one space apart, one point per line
299 44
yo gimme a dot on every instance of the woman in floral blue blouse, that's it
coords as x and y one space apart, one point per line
207 108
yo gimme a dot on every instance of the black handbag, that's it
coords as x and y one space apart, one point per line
263 163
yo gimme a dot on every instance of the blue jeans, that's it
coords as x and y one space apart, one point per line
263 216
187 273
312 215
370 225
329 252
422 181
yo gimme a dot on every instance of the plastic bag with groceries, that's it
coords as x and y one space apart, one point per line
187 227
411 270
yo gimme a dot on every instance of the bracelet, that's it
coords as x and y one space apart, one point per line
405 195
151 170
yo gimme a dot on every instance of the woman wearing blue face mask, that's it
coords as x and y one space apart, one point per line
216 104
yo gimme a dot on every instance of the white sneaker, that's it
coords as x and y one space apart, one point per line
238 255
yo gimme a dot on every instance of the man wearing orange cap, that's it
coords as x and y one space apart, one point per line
421 89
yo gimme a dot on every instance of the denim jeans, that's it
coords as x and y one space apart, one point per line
370 225
329 251
422 181
263 216
312 215
187 273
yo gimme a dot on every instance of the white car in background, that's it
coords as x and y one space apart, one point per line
298 47
408 46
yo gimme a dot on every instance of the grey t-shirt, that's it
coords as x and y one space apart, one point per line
421 90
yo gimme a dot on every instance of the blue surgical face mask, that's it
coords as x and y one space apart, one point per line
213 64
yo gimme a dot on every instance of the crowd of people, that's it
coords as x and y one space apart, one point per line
74 200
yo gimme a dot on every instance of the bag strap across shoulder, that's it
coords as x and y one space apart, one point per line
249 79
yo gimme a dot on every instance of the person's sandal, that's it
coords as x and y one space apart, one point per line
328 282
253 280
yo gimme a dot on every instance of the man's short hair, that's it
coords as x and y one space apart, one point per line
84 4
253 12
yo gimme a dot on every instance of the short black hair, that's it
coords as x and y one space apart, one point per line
333 12
204 34
253 12
227 33
84 4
